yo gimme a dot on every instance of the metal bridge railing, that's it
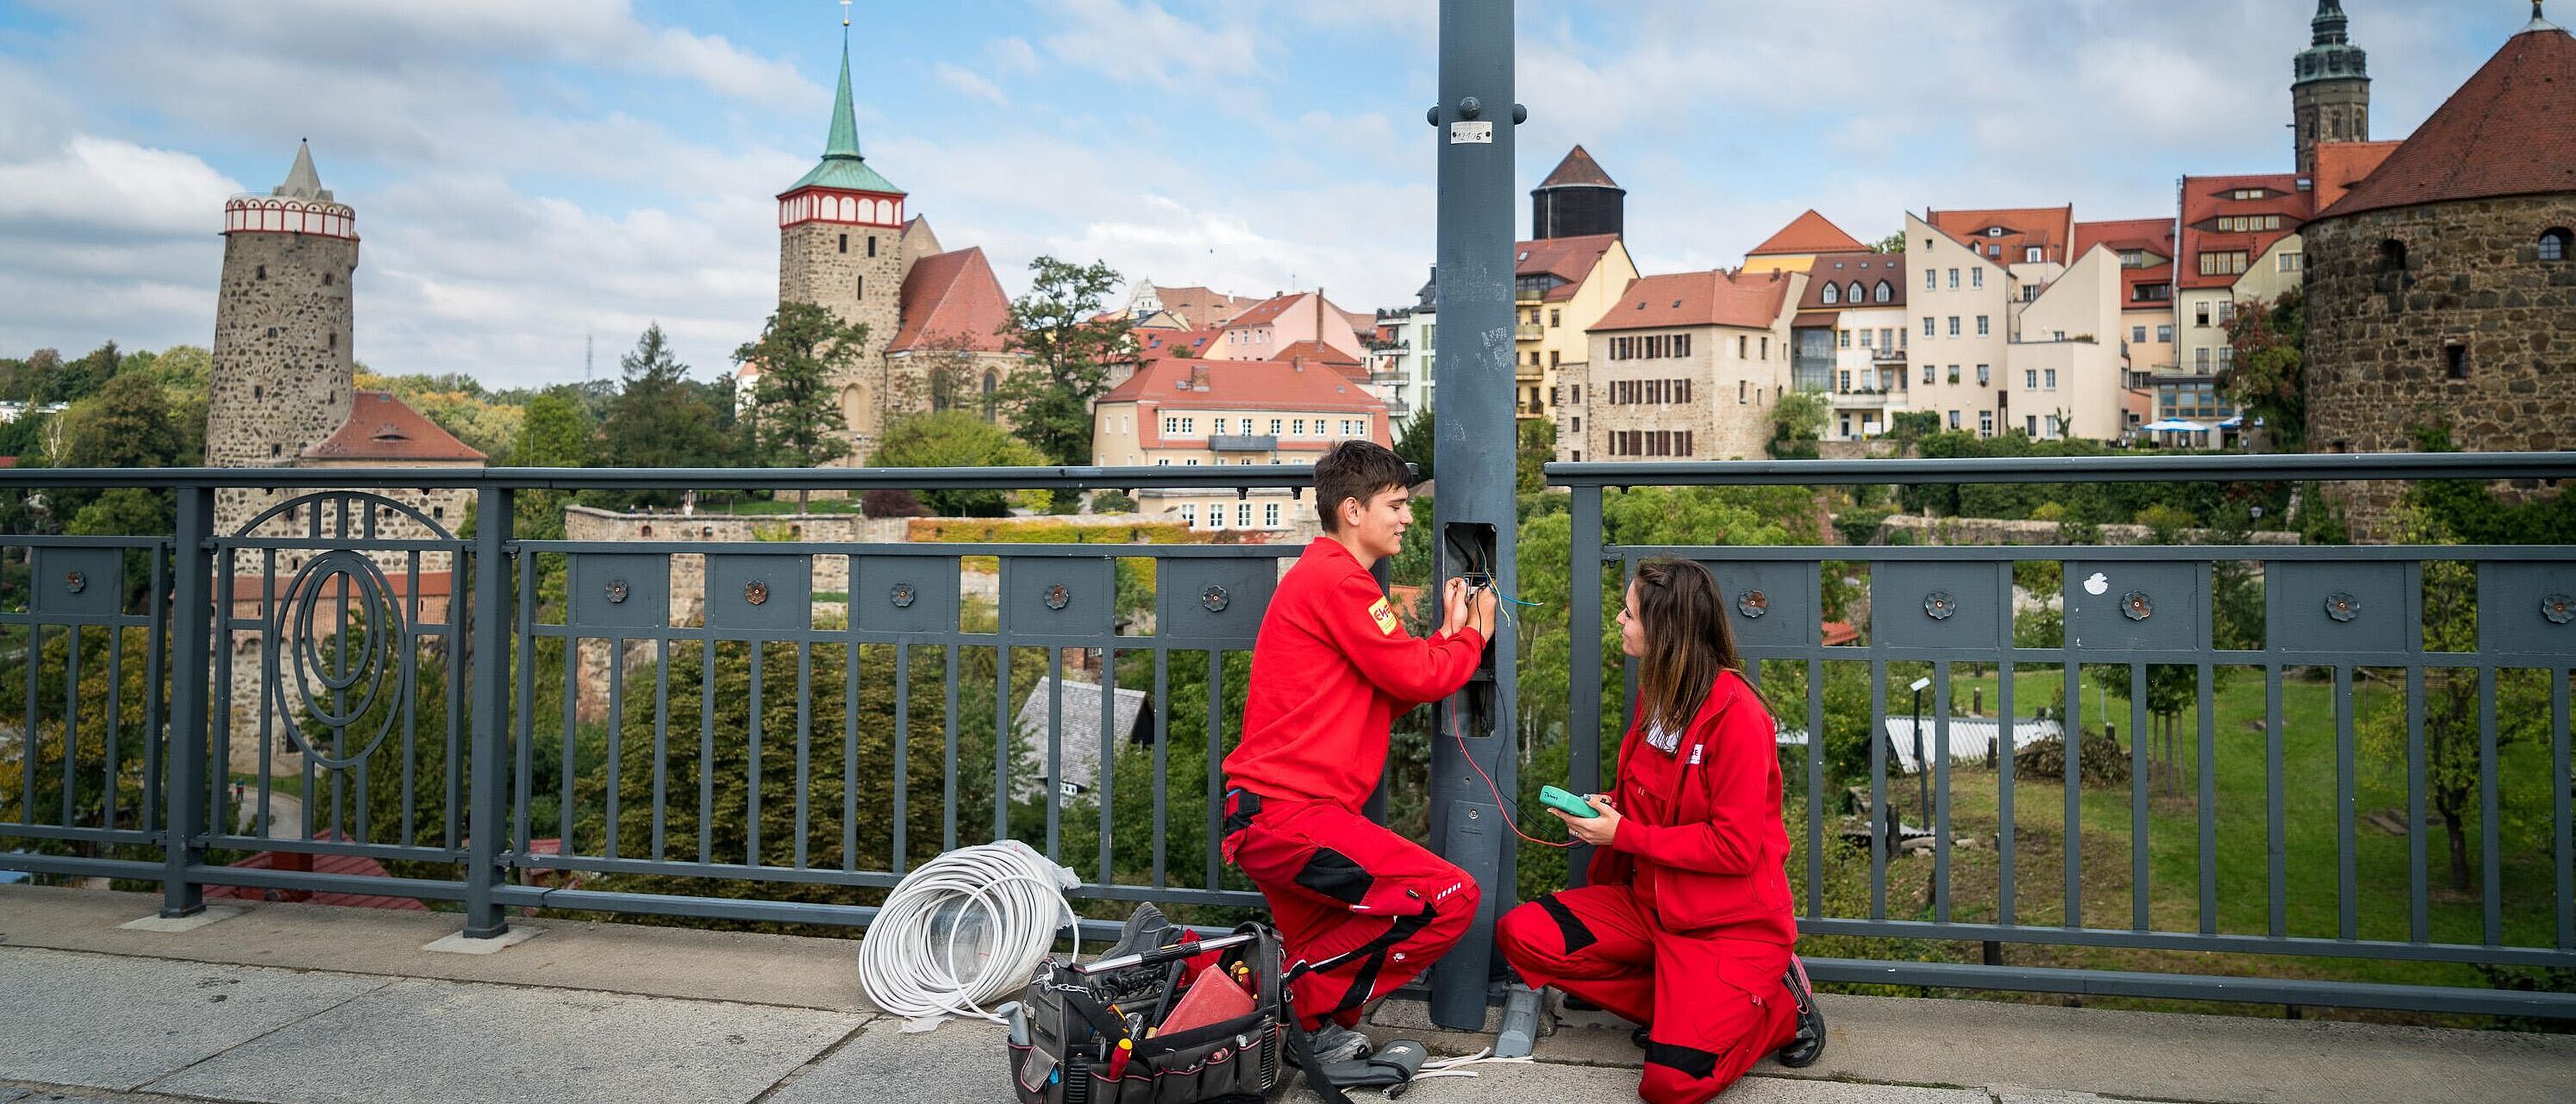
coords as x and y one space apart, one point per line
2209 811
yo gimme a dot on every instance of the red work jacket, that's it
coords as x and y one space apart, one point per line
1331 669
1700 836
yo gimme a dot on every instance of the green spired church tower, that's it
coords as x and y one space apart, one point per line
841 247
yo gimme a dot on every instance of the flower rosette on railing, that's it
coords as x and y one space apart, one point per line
339 668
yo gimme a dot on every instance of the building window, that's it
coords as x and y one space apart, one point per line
859 286
2164 332
2290 262
1928 323
1190 514
1954 279
2392 256
2030 425
845 243
1555 317
1855 293
1954 325
1931 279
1766 347
1954 373
1984 376
2455 360
2052 379
1884 293
2200 360
1844 337
1985 423
2031 254
2200 314
1982 328
1833 295
1270 515
2556 243
1739 392
1927 373
1743 347
1977 277
2030 379
1954 419
872 245
1243 515
2223 263
2137 335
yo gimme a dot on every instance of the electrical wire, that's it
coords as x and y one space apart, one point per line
1500 805
908 957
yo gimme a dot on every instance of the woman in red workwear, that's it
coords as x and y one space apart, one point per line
1684 923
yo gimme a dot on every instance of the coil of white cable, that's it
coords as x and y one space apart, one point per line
965 928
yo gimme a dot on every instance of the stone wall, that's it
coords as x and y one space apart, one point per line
281 376
829 264
2382 333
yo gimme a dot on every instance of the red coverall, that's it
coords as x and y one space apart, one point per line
1684 922
1332 667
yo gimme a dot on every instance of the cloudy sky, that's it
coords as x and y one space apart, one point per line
528 174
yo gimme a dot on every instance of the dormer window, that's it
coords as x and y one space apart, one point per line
1855 291
1833 294
1994 231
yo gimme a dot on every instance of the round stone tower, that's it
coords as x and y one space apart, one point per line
2330 87
1577 199
282 371
840 246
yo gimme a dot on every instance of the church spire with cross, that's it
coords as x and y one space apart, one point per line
2330 87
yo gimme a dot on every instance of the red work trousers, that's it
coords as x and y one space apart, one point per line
1712 1006
1366 908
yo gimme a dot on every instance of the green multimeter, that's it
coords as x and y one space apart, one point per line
1567 803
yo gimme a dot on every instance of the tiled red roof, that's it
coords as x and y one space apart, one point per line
2052 229
1316 352
2205 199
1863 267
1153 344
1577 169
1720 298
952 300
247 586
1808 233
7 462
2340 165
1243 385
303 862
382 427
1569 259
1267 312
2509 131
2155 237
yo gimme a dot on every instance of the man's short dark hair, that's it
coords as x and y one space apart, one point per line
1356 469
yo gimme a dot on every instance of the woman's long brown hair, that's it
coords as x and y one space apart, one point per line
1687 642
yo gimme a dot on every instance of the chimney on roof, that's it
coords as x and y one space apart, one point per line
1198 377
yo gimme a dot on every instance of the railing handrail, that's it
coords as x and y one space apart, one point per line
2285 468
784 479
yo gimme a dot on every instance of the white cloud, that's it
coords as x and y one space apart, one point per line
1144 43
968 84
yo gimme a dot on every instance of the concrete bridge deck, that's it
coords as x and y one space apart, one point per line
304 1004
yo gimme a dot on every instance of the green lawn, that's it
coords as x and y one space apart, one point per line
2242 880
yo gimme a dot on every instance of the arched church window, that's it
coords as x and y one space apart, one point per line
992 400
2556 243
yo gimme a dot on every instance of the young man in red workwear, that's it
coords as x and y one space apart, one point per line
1365 909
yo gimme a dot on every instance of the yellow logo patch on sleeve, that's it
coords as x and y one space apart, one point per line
1384 616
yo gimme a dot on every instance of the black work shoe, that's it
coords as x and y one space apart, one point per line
1146 930
1638 1037
1809 1044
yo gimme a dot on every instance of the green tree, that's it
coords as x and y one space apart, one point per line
1893 243
74 380
1415 446
956 439
553 435
1537 447
1068 353
2269 377
127 424
797 421
1797 422
658 420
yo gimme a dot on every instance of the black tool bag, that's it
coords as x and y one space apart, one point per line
1078 1015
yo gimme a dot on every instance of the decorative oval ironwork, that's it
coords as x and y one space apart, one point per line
2136 606
1214 598
2558 608
1752 604
617 591
901 595
2342 606
341 670
1057 596
1938 605
756 592
76 581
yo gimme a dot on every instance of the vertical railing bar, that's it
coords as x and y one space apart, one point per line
1002 737
2007 744
2139 797
115 684
2490 808
2347 879
1162 758
948 814
1883 821
35 690
902 752
615 789
1815 770
850 751
1215 764
311 826
2071 741
661 741
1940 768
1583 666
339 698
2207 759
804 744
458 721
496 620
2276 840
71 720
1055 752
571 755
2419 920
194 619
410 821
524 727
271 696
1108 756
156 637
709 656
751 750
2561 823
